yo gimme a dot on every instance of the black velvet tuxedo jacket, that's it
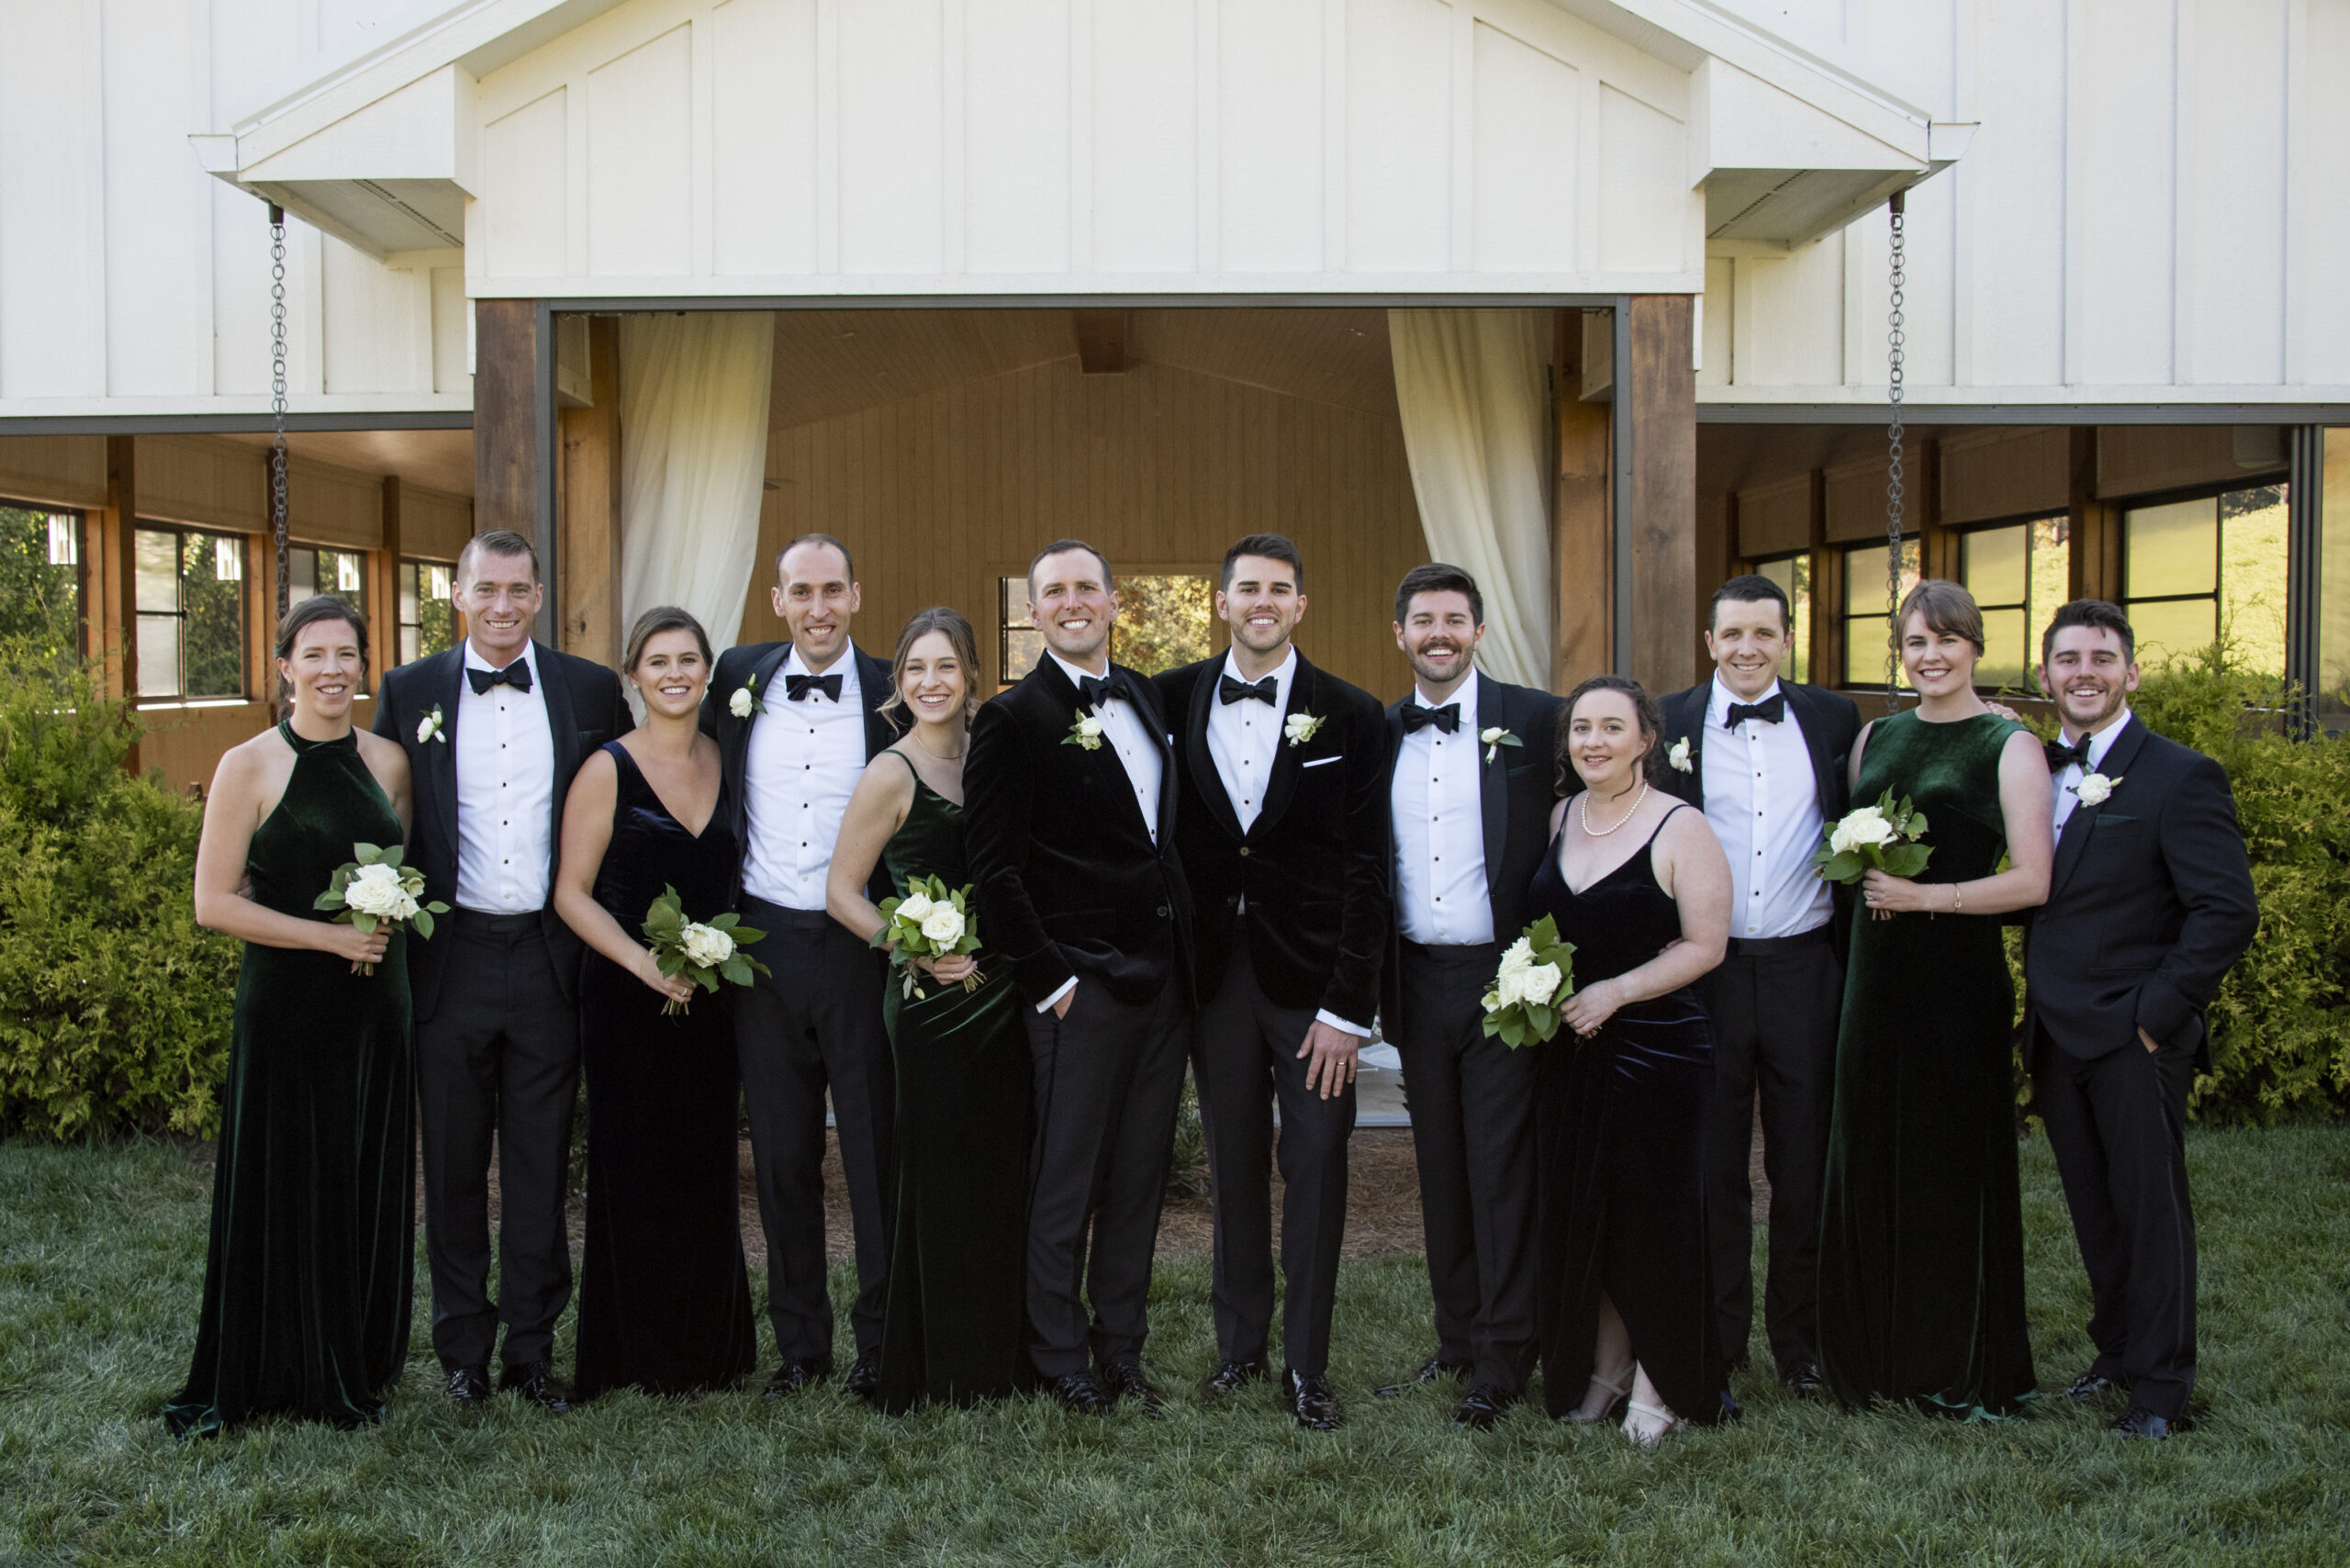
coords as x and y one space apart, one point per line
2150 903
761 665
584 709
1315 867
1518 790
1069 881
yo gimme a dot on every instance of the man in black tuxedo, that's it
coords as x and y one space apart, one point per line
1070 813
2150 903
1764 759
1472 823
494 730
796 721
1283 836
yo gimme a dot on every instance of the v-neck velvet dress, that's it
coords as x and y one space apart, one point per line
309 1277
665 1303
1620 1130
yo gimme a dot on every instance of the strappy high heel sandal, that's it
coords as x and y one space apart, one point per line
1619 1390
1650 1439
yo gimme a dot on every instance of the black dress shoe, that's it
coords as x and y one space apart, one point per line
468 1386
1804 1380
864 1380
1317 1406
1081 1393
1482 1406
801 1371
1435 1367
1126 1380
1231 1377
2089 1385
534 1380
2140 1422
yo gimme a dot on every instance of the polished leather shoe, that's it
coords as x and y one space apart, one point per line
2140 1422
534 1380
1126 1380
2087 1386
468 1386
801 1371
864 1380
1482 1406
1316 1405
1231 1377
1081 1393
1435 1367
1803 1378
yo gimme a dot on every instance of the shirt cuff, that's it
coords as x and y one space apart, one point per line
1067 986
1357 1030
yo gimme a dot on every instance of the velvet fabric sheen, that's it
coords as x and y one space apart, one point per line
1922 1233
307 1281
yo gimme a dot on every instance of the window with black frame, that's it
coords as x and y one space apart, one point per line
2019 574
428 619
189 585
41 583
1868 620
2210 568
1792 575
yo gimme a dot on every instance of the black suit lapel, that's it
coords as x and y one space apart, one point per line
563 734
874 683
761 680
2077 827
1685 720
1144 694
1195 739
446 680
1282 781
1493 777
1805 705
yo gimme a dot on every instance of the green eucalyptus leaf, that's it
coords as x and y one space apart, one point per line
423 924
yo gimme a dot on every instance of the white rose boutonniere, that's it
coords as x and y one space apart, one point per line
1086 733
2095 788
746 701
1301 728
432 727
1678 756
1495 738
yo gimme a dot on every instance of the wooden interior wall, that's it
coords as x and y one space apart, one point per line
942 493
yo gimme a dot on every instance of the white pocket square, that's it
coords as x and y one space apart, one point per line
1322 762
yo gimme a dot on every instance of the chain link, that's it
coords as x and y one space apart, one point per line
277 405
1895 493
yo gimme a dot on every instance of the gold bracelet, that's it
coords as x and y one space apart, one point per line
1957 900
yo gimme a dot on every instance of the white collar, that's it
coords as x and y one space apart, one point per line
845 666
529 657
1074 673
1464 694
1283 673
1717 706
2102 742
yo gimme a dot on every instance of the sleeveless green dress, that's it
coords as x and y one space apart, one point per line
308 1281
1921 1231
957 1311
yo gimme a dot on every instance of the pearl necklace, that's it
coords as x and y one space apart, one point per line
1589 831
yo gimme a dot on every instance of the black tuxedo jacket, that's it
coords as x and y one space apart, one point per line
761 664
2150 903
1069 881
1518 790
1315 867
584 709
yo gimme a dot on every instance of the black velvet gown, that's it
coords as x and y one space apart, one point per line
958 1236
1620 1130
1921 1230
307 1279
665 1305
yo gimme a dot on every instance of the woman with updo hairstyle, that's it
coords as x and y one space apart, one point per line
307 1277
664 1303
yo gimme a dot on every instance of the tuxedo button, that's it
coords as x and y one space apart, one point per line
1244 852
1162 911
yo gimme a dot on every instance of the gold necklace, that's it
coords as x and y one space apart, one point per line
1589 831
935 756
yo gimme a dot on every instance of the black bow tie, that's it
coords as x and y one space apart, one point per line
2061 756
516 674
1418 717
796 688
1094 690
1233 690
1772 710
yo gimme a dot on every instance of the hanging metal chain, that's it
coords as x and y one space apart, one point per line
1895 494
277 407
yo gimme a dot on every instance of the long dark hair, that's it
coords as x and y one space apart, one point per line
1644 709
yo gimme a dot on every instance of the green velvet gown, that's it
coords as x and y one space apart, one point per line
1921 1230
958 1236
307 1282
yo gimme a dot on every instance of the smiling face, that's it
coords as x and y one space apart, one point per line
499 597
325 669
1262 603
1940 663
2090 675
1439 636
1070 603
1747 640
932 680
1605 740
670 673
816 599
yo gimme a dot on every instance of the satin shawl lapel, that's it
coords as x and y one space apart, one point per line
1145 698
1282 783
1493 777
1805 704
2077 826
1063 692
447 679
563 732
874 683
761 681
1685 717
1202 761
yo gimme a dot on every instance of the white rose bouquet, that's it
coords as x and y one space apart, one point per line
377 890
1536 974
1883 837
703 953
932 920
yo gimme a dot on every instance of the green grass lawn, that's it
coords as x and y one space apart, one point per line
102 1254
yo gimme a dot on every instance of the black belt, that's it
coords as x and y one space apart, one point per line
767 917
496 924
1454 952
1764 946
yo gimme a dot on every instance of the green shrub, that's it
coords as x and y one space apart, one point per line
114 1003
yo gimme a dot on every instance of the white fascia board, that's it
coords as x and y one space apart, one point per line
1737 120
422 131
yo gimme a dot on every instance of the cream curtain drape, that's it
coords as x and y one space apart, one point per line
1470 385
693 462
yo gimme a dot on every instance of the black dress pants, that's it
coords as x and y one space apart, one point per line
811 1023
1244 1055
2117 1125
498 1061
1775 1014
1472 1100
1108 1078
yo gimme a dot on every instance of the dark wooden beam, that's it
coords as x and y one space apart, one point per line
2092 526
115 616
1100 341
590 509
1661 399
506 415
1584 629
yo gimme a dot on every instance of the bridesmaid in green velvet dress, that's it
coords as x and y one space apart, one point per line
307 1283
1922 1233
958 1234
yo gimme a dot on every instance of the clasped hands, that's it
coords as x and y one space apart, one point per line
1886 894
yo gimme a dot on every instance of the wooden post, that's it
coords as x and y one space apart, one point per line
513 393
2094 559
590 507
1661 400
114 613
384 635
1584 629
